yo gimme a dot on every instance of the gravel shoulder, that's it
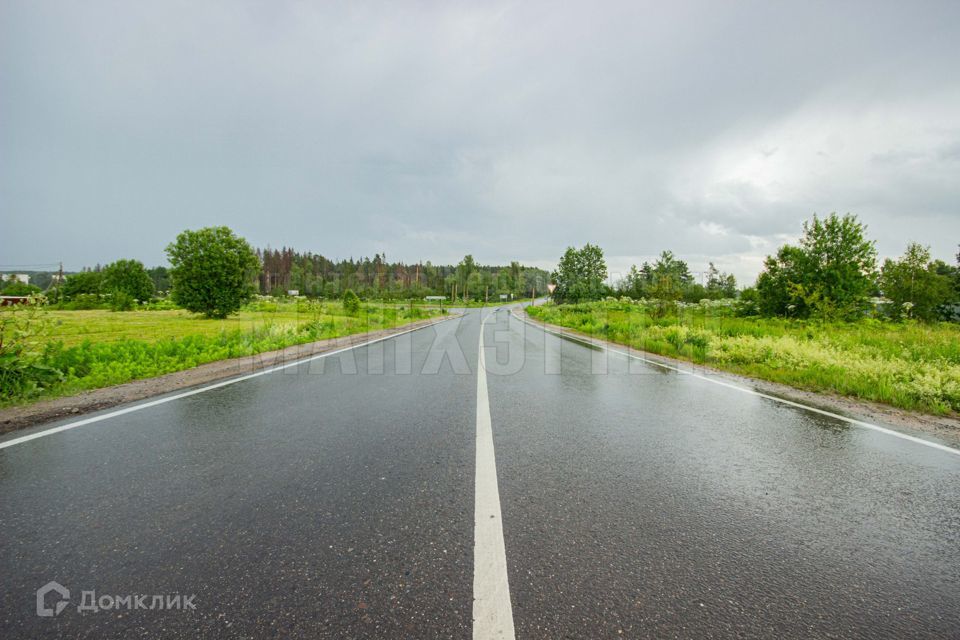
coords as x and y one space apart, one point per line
23 416
945 428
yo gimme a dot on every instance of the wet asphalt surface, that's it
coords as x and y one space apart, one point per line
336 500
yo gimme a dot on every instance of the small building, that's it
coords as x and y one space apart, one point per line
19 277
9 301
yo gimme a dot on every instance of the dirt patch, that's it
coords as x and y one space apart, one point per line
946 428
20 417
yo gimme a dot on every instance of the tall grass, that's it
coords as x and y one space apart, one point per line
907 365
93 349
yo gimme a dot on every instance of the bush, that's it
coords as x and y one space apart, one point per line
83 283
121 301
83 302
17 288
23 372
160 304
351 302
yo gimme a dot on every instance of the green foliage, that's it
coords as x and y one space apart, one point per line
777 284
83 302
42 279
913 285
748 304
666 283
212 271
159 304
956 274
376 279
465 271
351 302
719 284
160 276
908 365
121 301
830 275
83 283
580 275
669 279
127 281
23 372
92 349
14 287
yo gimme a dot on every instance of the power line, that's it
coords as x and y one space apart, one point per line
53 265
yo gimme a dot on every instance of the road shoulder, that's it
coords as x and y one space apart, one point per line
24 416
946 428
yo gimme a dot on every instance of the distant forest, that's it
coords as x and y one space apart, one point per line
315 275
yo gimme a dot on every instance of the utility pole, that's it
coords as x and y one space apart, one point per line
59 279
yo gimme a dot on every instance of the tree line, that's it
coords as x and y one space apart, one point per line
315 275
213 271
832 273
581 276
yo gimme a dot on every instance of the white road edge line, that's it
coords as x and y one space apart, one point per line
859 423
492 613
193 392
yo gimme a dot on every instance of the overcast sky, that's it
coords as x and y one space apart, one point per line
509 131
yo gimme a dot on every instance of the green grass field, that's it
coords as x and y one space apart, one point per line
75 327
47 353
907 365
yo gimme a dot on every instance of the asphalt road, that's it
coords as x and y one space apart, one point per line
352 496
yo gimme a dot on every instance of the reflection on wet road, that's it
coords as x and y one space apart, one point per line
337 501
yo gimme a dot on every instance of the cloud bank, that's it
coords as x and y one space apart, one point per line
506 130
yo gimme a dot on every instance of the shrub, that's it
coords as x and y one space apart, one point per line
121 301
351 302
23 371
83 283
17 288
83 302
677 336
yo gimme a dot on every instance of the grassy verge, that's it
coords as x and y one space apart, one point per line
906 365
72 351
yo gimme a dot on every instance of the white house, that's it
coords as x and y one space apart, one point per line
19 277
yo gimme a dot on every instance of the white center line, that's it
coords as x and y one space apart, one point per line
492 613
216 385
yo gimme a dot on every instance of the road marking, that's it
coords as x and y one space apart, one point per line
754 392
492 613
193 392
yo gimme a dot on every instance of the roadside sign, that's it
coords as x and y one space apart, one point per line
551 287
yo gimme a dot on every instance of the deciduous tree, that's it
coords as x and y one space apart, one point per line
831 274
129 278
580 275
912 284
213 271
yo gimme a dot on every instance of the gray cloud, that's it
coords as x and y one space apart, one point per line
507 130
